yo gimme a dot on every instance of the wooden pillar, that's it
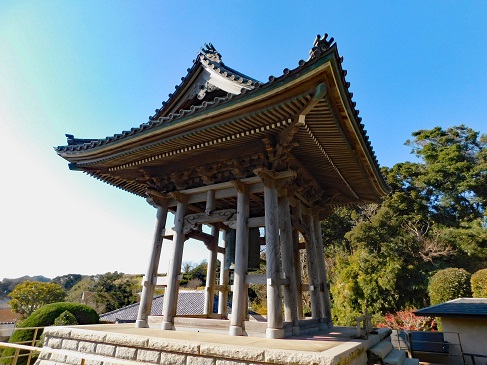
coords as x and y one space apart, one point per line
223 293
313 274
211 268
274 299
171 293
297 272
151 274
324 293
241 258
211 273
288 268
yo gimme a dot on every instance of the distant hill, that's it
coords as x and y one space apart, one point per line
7 285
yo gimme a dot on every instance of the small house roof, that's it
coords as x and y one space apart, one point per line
461 307
190 302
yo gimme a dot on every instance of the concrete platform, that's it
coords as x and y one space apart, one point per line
123 343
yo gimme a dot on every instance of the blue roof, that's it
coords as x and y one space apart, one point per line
190 302
461 307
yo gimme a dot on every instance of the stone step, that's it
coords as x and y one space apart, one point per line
384 332
373 340
395 357
382 349
412 361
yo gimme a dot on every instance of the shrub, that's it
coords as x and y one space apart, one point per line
46 316
478 283
407 320
66 318
449 284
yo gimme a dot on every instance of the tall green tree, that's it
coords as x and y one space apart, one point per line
115 290
454 173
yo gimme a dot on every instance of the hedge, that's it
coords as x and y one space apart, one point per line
449 284
479 284
45 316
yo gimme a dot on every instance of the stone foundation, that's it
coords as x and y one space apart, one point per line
102 347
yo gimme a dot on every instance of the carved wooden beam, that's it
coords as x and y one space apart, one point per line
206 238
319 93
156 198
179 197
191 221
237 169
240 186
180 179
270 177
302 227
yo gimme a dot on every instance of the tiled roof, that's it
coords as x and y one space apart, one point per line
189 302
322 47
461 307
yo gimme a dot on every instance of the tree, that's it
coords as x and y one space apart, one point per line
7 285
115 290
75 294
454 172
382 256
194 273
31 295
106 292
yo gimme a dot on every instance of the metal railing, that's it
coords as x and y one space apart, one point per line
455 351
27 345
17 355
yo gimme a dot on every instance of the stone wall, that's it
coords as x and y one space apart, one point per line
103 348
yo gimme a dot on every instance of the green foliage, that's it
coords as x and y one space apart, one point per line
106 292
453 177
46 316
31 295
75 294
382 256
7 285
448 284
67 281
66 318
194 273
115 290
478 283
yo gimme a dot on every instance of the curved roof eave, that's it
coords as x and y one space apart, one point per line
76 152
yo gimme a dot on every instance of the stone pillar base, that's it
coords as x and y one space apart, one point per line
141 323
167 326
274 333
296 331
322 326
236 331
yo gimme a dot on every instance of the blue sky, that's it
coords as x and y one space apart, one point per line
96 68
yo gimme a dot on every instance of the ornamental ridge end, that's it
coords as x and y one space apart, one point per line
210 52
320 45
